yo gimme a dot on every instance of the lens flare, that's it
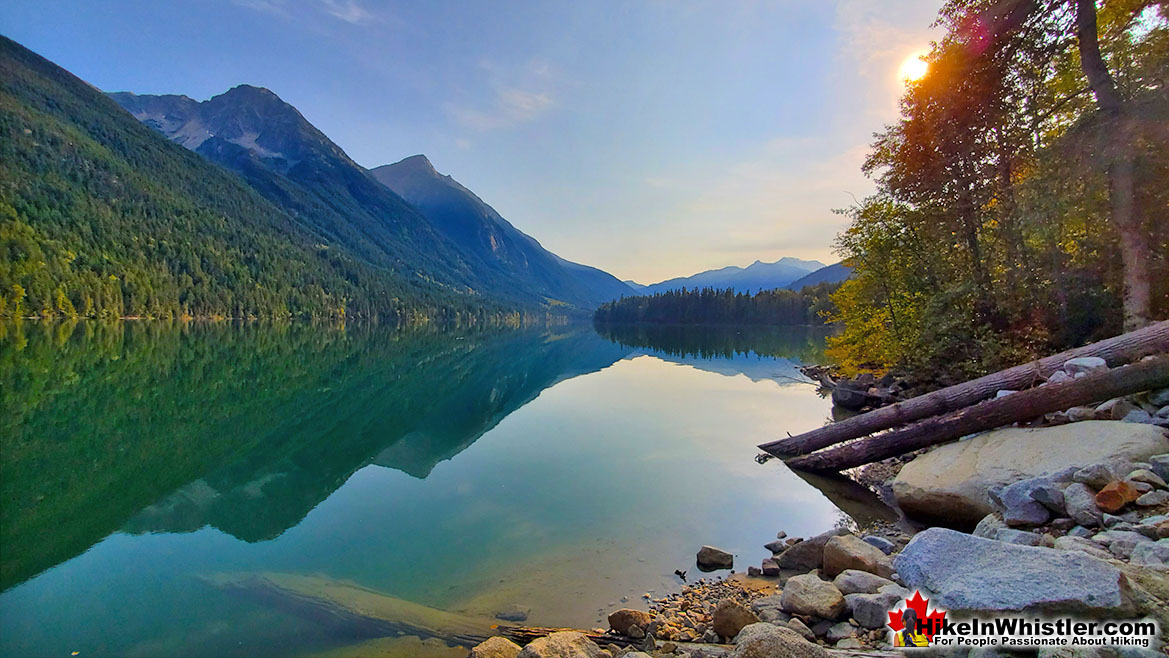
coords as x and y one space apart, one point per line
914 68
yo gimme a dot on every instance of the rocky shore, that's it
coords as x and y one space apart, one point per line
1066 515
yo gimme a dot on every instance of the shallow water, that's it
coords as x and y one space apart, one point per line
559 470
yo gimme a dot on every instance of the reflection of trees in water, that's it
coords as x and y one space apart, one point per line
249 425
804 343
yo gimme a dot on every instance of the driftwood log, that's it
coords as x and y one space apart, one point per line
1153 339
1152 372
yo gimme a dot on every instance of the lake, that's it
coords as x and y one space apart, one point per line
557 469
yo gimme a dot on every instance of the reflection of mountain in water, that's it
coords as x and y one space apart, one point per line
246 428
760 353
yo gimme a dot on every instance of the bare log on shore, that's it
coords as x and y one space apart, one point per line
1149 373
1153 339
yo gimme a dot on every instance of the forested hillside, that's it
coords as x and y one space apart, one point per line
709 306
1021 204
101 216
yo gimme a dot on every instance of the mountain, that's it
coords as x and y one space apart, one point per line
835 273
468 221
751 279
405 217
102 216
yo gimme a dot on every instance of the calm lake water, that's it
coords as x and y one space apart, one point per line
559 470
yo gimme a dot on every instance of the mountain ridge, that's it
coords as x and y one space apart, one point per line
751 279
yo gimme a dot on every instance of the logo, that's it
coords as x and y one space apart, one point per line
914 624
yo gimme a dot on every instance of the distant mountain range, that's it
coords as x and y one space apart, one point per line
442 228
751 279
835 273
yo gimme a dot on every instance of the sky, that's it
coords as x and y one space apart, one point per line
650 138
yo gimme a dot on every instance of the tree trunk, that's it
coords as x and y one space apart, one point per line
1153 339
1134 244
1024 405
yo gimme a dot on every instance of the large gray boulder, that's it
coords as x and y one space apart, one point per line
768 641
851 581
808 595
950 485
808 554
969 573
564 644
710 558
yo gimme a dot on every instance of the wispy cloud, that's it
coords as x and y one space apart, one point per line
514 97
353 12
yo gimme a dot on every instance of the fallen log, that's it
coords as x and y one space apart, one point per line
1153 339
1152 372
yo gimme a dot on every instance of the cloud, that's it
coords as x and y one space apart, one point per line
349 11
515 96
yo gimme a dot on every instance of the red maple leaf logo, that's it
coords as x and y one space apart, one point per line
931 621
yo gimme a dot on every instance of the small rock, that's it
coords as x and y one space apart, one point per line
840 631
730 617
1080 531
711 558
1081 503
1062 524
1013 536
1116 495
989 526
1148 477
636 632
849 643
1138 416
1080 544
626 618
1085 365
808 595
1115 409
1050 496
1059 377
754 572
1018 505
495 647
880 542
775 547
780 535
1077 414
800 627
1095 476
1153 499
852 581
770 567
1159 398
1141 487
1159 464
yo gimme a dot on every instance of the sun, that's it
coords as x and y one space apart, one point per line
914 68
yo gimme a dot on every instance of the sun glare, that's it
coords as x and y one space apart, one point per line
914 68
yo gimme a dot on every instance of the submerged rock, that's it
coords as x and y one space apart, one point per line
950 484
969 573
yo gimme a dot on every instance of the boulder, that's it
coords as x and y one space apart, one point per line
514 612
850 552
840 631
800 627
851 581
768 641
621 620
872 610
495 647
972 574
730 617
808 554
853 399
711 558
770 567
1081 504
776 546
949 485
563 644
808 595
1153 554
1116 495
1017 502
